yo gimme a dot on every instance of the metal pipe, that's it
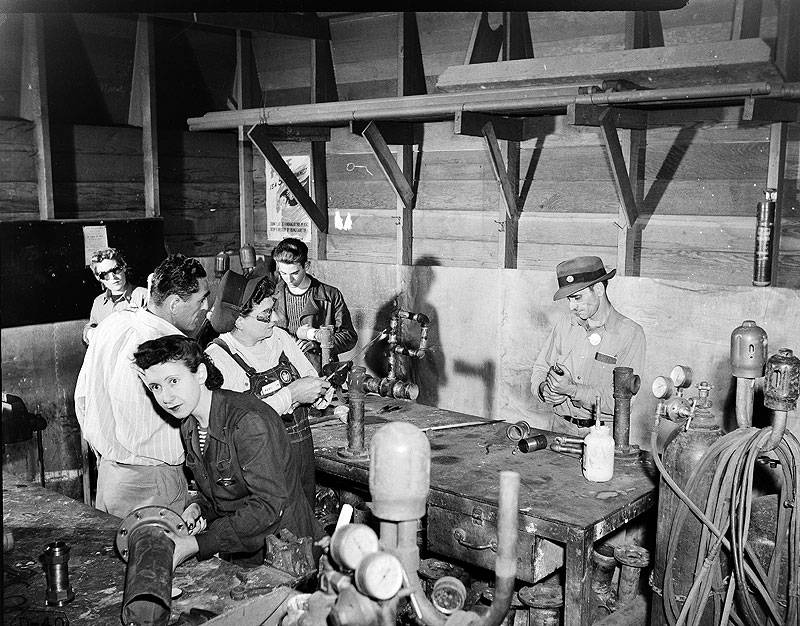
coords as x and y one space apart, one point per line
604 567
625 386
632 559
355 417
433 107
389 534
147 598
325 338
745 390
505 566
394 330
391 388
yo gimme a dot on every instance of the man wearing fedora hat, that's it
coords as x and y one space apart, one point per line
577 361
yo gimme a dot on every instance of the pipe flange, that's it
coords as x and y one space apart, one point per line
355 455
168 519
542 596
627 453
518 431
632 556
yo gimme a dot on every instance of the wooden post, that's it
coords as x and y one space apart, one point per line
142 110
33 106
775 174
323 89
242 94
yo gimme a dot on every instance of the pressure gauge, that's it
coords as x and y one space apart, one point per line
379 576
351 543
681 375
663 387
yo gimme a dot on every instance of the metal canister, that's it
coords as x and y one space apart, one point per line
765 224
56 569
531 444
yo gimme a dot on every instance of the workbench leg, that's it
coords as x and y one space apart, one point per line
578 580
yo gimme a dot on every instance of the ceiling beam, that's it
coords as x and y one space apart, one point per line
292 24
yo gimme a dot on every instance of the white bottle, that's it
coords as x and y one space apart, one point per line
598 454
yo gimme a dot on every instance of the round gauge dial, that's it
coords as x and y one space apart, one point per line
681 375
662 387
351 543
379 575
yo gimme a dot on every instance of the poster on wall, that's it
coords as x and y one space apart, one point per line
285 215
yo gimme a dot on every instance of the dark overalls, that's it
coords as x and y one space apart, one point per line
263 385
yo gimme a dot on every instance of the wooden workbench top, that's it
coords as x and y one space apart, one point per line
465 463
38 516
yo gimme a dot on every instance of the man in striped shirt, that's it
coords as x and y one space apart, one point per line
303 304
138 446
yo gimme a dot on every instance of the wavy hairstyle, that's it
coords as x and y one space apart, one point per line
177 348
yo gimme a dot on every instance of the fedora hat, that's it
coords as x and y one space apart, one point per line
233 292
579 273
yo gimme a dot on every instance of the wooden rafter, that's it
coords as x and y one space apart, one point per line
306 25
484 42
501 172
274 158
746 21
517 39
776 169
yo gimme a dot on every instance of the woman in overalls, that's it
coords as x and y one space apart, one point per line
256 356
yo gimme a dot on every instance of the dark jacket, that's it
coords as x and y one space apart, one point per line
247 479
326 307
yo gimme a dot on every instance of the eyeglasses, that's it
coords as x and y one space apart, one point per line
117 270
265 315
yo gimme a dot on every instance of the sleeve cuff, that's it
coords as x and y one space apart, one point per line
583 396
207 546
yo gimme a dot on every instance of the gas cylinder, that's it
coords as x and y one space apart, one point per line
683 451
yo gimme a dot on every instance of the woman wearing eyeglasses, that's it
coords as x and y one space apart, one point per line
255 355
110 270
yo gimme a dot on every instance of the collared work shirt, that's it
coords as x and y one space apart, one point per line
116 413
261 357
105 304
622 344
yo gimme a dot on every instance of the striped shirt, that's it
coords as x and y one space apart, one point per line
295 305
116 413
202 435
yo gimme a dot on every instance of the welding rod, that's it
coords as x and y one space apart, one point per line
461 425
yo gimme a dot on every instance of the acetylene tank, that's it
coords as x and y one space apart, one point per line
683 451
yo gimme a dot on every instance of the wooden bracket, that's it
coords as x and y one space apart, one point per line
591 114
297 133
484 43
508 128
393 133
770 110
501 172
271 154
619 172
394 174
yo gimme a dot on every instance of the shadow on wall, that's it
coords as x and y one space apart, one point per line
484 373
429 372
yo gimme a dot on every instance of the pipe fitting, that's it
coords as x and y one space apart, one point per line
56 570
142 541
632 559
626 385
518 431
355 449
544 601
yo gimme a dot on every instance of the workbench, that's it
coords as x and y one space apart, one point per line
38 516
557 504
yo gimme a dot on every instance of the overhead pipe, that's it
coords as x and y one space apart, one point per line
433 107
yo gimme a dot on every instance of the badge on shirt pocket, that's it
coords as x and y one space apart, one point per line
270 388
605 358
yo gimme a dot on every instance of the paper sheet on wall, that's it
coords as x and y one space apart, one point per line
285 215
94 238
